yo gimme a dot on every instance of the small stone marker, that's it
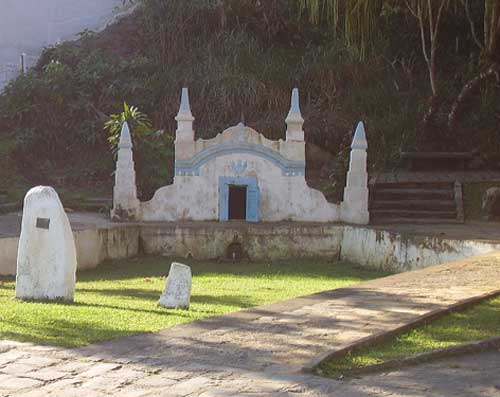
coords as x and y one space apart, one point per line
46 258
177 292
491 204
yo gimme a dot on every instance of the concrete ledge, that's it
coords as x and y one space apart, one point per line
381 337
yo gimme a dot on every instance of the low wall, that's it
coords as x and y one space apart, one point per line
93 246
8 255
361 245
401 252
259 242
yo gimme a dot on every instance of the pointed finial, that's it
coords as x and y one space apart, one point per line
294 120
294 114
359 141
125 138
185 108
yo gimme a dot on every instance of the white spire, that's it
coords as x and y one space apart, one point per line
294 115
359 141
294 120
185 131
185 108
354 207
125 202
125 138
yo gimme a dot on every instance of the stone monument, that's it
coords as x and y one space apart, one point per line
240 175
177 292
125 201
46 259
491 204
354 208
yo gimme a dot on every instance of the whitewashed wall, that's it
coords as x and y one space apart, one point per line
273 173
282 197
29 25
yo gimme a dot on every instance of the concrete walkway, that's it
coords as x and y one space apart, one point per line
261 351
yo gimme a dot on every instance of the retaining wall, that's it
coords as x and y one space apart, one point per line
361 245
259 242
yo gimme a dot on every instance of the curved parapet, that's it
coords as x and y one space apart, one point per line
240 175
192 166
288 156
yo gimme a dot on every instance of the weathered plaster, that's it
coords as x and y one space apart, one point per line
401 252
277 241
259 242
93 246
241 152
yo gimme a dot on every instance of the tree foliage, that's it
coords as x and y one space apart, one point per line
352 60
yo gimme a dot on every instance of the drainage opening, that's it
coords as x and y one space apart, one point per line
234 251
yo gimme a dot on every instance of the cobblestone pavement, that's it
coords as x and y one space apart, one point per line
260 352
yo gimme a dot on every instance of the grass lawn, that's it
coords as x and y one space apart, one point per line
477 323
120 298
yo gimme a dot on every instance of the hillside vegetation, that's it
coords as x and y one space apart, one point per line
240 59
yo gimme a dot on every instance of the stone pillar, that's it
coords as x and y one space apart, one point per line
125 202
46 258
185 119
354 208
294 120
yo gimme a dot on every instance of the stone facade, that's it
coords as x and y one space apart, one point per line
240 174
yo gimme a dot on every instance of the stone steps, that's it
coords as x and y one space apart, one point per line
409 213
414 221
423 205
413 202
6 208
413 185
420 194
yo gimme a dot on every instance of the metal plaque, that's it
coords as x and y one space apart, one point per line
43 223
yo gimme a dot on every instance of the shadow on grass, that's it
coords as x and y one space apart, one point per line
136 293
153 267
64 333
243 301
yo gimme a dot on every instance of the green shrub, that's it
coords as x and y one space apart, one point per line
151 148
240 59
